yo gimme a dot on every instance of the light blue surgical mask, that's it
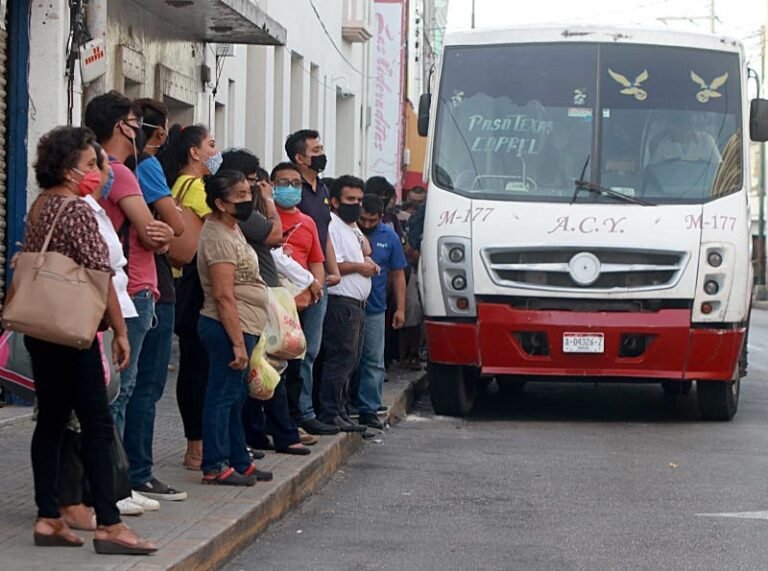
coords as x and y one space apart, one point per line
287 196
105 190
214 163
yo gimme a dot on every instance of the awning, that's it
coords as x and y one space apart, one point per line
218 21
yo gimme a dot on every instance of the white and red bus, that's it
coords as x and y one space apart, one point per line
587 213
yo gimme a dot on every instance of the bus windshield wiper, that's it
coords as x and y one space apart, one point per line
597 189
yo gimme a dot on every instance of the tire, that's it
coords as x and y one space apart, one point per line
452 388
483 383
676 388
511 389
718 400
744 356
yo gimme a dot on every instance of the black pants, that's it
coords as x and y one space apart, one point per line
191 384
270 417
68 379
342 345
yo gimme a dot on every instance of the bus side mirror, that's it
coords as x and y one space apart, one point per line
425 102
758 120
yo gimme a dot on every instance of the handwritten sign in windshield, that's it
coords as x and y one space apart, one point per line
514 133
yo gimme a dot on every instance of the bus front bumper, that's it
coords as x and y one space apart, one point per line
654 345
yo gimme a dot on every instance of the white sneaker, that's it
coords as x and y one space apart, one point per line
147 504
129 507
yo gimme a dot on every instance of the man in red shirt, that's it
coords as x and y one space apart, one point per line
302 242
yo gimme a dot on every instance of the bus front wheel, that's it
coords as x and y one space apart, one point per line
452 388
718 400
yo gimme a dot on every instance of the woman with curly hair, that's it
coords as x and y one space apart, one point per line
68 379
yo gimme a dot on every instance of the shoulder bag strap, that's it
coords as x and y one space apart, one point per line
47 241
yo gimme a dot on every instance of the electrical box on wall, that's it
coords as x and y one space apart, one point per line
93 60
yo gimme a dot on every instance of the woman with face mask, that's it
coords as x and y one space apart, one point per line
191 154
233 317
68 379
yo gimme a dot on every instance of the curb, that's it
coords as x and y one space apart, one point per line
240 533
14 420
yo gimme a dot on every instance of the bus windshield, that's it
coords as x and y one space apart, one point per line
523 121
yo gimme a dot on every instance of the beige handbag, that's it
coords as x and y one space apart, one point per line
183 248
54 298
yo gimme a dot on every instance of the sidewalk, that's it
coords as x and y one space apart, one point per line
199 533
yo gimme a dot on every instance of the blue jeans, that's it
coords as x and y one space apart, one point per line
312 319
150 384
371 370
137 331
223 435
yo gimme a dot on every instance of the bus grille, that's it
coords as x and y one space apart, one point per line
617 269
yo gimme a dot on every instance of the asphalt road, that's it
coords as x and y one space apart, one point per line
569 477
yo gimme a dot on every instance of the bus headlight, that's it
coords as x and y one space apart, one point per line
459 282
454 262
714 259
456 255
711 287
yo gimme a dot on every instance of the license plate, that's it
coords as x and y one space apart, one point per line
583 343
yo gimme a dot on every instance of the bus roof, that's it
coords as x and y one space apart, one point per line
565 33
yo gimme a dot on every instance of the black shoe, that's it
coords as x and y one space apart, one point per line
345 426
255 453
303 451
368 419
314 426
157 490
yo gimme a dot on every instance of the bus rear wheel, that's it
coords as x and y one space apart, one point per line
452 388
676 388
718 400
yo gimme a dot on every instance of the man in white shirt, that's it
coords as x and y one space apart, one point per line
345 318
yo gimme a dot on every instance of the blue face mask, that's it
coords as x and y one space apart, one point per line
213 163
105 190
287 196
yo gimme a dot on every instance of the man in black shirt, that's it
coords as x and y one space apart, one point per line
305 149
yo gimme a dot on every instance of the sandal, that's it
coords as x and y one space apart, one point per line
307 439
79 517
228 477
258 475
295 450
120 540
60 536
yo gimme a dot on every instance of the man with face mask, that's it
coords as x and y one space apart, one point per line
305 150
117 124
387 253
345 318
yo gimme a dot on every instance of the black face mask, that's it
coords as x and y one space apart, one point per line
367 230
243 210
349 213
318 163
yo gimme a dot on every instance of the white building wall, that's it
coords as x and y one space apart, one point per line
305 84
253 103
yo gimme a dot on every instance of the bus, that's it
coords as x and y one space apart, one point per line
587 215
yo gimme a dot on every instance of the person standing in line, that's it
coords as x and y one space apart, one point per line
152 371
191 154
305 150
232 319
135 503
345 319
263 231
387 253
68 379
117 124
